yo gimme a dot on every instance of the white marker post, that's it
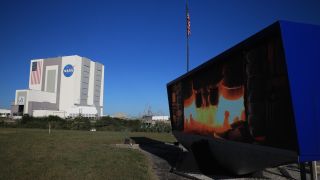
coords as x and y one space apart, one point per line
313 169
49 128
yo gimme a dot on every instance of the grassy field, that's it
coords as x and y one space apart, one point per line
66 154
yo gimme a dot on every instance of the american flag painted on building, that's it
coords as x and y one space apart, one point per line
36 72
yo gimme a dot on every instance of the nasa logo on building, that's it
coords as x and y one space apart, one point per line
68 70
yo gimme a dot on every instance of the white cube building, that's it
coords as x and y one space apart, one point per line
66 86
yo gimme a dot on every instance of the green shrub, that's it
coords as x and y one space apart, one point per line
4 123
80 123
110 124
156 127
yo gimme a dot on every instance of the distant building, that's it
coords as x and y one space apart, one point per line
4 112
120 115
155 118
66 86
147 117
160 118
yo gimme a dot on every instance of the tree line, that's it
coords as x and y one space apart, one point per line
83 123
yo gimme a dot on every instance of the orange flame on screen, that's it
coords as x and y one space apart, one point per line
233 93
193 125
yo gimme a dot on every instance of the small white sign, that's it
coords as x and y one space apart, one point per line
21 100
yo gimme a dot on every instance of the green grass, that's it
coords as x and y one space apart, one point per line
65 154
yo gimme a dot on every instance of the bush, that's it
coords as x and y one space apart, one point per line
80 123
7 123
32 122
156 127
58 123
2 122
116 124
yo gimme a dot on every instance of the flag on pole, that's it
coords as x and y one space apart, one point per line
36 72
188 22
188 33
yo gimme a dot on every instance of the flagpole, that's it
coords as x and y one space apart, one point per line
187 53
188 31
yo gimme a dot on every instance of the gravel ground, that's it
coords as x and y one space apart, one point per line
170 162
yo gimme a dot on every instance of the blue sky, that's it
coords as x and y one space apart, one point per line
140 42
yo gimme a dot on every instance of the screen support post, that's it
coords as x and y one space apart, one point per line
313 170
303 174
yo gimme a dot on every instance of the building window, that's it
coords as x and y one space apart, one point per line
34 66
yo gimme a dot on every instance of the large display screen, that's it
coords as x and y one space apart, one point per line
243 96
213 101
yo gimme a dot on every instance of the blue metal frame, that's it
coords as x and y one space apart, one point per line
301 44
